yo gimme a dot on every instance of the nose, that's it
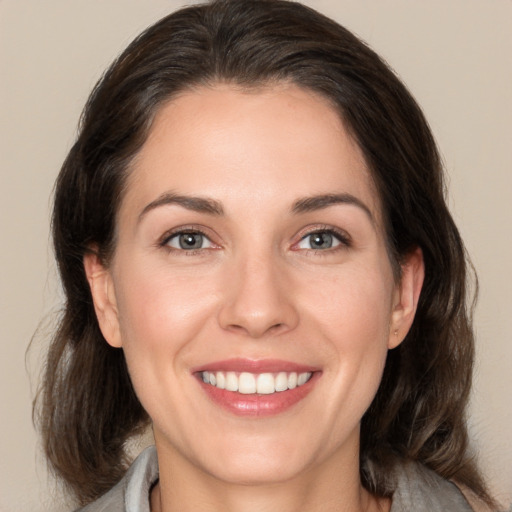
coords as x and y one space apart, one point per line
258 299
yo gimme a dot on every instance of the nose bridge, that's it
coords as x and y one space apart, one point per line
257 297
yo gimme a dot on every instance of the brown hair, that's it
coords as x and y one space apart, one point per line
88 408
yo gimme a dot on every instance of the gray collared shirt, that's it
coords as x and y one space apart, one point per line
418 490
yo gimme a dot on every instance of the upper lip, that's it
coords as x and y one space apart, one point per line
254 366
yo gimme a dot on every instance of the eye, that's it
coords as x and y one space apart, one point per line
189 241
321 240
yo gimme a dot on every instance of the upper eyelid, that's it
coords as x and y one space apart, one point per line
164 239
343 237
341 233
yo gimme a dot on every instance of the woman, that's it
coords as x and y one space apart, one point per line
258 261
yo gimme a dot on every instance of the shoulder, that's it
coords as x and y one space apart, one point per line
131 494
475 501
419 489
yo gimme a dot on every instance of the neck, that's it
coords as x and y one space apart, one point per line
334 486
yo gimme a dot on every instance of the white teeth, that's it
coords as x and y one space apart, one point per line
221 380
265 384
302 379
282 381
262 383
246 383
231 381
292 380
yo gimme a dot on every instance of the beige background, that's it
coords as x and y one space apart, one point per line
455 55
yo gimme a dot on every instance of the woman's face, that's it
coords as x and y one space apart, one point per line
251 254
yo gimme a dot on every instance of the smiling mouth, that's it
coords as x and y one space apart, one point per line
256 387
255 383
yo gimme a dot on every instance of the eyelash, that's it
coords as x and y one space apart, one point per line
192 230
341 236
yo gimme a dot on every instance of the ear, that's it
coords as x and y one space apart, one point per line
104 298
407 293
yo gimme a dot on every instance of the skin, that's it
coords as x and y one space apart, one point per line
256 289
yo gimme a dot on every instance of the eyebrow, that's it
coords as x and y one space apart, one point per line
213 207
314 203
196 204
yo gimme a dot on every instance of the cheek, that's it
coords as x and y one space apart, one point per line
161 314
356 304
357 350
353 313
156 306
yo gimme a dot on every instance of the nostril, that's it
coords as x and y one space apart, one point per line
256 331
255 316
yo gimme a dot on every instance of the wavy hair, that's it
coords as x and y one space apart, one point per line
87 408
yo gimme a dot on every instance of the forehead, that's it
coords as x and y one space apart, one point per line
262 145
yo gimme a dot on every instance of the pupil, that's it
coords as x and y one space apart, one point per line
321 241
190 241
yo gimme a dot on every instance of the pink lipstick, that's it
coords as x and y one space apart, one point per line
256 388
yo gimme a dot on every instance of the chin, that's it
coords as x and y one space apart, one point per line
257 469
253 460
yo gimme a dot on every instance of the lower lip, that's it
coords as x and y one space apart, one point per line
259 405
